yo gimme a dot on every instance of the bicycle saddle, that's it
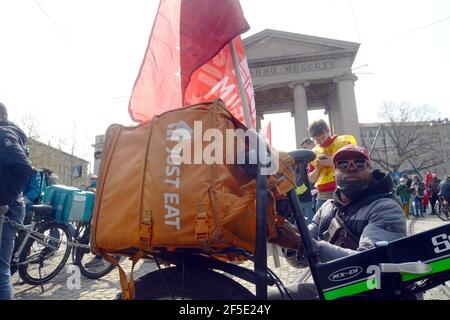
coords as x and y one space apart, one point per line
303 155
43 210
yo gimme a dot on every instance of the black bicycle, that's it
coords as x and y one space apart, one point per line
443 211
41 248
91 266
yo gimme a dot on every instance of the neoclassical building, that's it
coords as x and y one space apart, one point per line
295 73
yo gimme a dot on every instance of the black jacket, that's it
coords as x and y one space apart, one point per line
445 189
15 168
301 175
376 216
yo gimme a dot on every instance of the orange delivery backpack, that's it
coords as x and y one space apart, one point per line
146 200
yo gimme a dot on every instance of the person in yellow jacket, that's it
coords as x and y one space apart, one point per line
321 171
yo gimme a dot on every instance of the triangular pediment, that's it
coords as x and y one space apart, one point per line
273 44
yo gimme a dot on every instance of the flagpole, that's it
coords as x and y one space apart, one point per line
237 70
261 196
249 123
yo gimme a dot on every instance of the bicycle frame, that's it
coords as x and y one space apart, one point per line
24 240
29 228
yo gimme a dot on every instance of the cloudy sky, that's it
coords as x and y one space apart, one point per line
72 63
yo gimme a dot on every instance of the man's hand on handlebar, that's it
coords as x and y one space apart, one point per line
288 236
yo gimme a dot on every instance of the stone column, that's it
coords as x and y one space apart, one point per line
300 111
259 118
335 116
346 103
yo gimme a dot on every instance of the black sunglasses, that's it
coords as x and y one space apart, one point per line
360 164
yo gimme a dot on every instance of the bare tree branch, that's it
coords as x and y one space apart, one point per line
30 124
407 137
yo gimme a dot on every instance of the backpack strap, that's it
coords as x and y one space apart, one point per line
345 235
338 233
128 290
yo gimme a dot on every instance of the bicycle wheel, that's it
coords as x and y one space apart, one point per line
42 258
80 230
91 266
444 212
194 284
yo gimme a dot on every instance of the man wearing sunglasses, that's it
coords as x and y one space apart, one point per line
363 212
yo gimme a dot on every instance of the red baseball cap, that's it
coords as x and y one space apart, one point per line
351 151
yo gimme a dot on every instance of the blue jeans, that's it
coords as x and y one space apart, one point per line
418 208
308 211
16 214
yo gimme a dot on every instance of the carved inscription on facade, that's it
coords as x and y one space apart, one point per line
292 68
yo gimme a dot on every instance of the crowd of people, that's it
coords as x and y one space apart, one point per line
418 196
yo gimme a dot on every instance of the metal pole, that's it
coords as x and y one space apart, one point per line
375 140
385 148
237 70
415 169
260 263
311 251
261 194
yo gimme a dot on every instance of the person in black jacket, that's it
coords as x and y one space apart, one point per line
418 189
15 170
434 193
304 186
444 188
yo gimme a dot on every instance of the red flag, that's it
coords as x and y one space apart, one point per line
188 59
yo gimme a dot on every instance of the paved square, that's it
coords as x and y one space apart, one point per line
108 287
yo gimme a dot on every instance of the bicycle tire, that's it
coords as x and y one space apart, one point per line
24 271
443 212
80 230
199 284
81 252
